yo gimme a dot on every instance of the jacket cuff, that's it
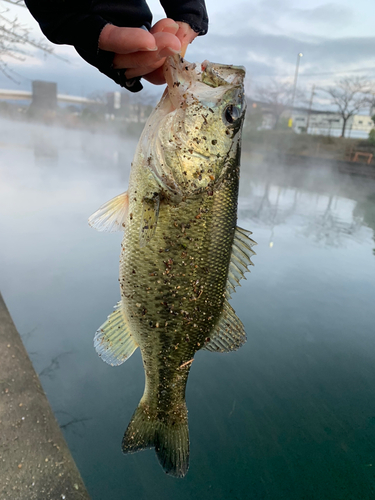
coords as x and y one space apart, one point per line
103 61
192 12
200 26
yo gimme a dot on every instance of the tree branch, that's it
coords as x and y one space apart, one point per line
350 95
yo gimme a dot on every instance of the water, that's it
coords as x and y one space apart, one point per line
291 415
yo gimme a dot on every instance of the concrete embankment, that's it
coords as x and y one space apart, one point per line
35 461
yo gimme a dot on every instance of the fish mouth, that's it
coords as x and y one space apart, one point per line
180 75
216 75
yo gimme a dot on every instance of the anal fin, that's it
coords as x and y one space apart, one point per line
113 341
229 334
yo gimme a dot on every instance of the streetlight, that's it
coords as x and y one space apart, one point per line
299 55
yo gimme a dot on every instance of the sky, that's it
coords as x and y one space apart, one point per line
336 38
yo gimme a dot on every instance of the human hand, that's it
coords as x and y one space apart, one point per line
143 53
138 51
185 35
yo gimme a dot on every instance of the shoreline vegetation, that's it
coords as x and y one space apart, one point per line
270 142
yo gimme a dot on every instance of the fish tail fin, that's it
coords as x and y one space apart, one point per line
168 434
172 448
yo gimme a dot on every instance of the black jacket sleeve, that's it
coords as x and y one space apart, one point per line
80 22
192 12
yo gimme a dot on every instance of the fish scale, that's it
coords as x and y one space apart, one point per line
200 252
182 255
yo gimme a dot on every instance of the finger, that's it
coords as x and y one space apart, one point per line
147 70
167 43
141 60
186 32
165 25
126 40
186 35
156 77
183 49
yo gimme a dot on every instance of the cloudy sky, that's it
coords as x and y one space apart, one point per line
265 36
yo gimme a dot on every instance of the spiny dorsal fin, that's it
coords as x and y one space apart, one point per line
149 219
240 259
229 334
113 341
112 215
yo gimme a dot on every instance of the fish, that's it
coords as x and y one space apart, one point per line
182 254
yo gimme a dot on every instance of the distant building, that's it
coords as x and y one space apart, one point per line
44 95
357 126
127 107
263 115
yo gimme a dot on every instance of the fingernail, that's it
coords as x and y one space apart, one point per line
154 49
172 25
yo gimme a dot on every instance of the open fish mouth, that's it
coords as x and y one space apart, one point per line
181 76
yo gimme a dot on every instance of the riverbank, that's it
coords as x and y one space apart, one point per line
286 142
35 460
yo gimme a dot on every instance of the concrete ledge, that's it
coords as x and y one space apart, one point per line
35 462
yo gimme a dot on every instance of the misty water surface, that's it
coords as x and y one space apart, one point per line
291 415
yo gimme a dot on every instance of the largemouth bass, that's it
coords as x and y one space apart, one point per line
182 254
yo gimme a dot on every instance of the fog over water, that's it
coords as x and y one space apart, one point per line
290 415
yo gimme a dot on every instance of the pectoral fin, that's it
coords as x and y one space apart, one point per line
112 215
113 340
149 219
229 334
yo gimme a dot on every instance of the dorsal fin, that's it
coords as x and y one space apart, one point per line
240 259
229 334
113 340
112 215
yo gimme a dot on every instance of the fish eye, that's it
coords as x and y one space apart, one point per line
231 114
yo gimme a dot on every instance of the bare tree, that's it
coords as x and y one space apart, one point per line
20 3
350 95
15 38
277 96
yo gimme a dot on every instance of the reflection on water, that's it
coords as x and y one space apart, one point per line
325 218
365 210
290 415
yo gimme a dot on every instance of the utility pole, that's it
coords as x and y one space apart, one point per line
299 55
310 106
